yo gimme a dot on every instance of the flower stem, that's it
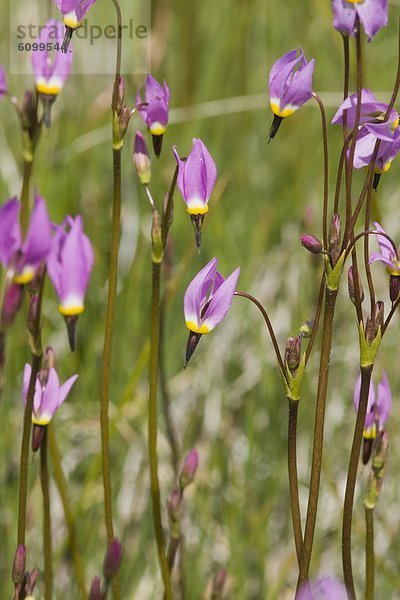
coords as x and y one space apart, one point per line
351 481
47 550
293 481
369 555
316 464
69 520
24 214
326 170
106 358
24 459
152 428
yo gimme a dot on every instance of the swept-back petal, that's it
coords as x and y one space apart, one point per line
66 388
10 231
373 15
196 295
220 301
370 418
384 400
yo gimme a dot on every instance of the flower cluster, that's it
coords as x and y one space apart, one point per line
68 253
372 127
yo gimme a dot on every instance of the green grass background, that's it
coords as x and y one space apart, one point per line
228 403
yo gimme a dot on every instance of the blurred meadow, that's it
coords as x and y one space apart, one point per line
228 403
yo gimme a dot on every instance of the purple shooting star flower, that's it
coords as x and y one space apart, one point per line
69 265
196 180
388 255
141 159
23 257
51 68
48 396
290 86
154 110
378 409
372 111
373 15
3 82
72 12
206 302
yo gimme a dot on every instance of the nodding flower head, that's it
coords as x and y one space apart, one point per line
290 86
373 15
208 298
69 265
387 255
196 177
51 68
48 397
73 11
154 110
23 257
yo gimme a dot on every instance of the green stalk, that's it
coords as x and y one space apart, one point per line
69 520
316 464
366 372
25 209
153 430
106 358
293 480
47 550
24 458
369 555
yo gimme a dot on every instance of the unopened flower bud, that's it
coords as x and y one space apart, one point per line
19 565
379 461
218 584
374 322
293 353
141 159
351 286
112 560
311 243
11 304
95 590
334 239
173 505
394 287
189 468
28 111
157 249
121 94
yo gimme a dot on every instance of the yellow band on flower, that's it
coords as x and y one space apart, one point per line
286 112
70 311
197 210
193 327
50 90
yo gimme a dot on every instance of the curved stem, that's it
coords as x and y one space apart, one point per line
69 520
316 464
342 161
351 481
269 326
153 430
293 480
369 555
114 103
325 149
47 550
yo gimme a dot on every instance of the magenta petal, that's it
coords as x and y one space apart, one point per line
280 72
300 89
221 301
66 388
53 263
49 402
384 400
384 244
75 271
181 169
344 16
375 256
196 293
52 68
25 381
373 15
38 238
10 231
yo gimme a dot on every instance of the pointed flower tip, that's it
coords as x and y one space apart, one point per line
112 559
155 108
